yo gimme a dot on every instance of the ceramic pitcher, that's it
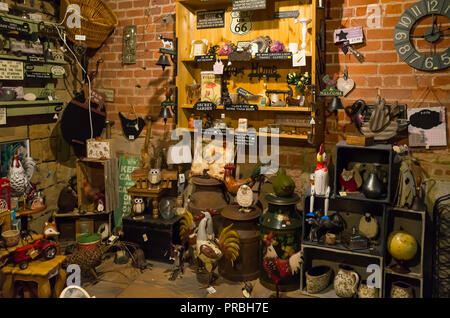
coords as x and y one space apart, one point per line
346 282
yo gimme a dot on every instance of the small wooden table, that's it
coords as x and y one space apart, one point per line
39 271
153 194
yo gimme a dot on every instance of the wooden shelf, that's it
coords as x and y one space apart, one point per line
415 272
28 108
24 59
77 214
281 136
326 293
225 58
30 103
266 108
339 248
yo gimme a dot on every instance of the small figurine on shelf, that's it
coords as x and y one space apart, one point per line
350 180
277 46
244 198
225 49
154 176
50 231
138 205
213 50
100 206
321 172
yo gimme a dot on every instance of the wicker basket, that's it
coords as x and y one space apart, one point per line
11 237
97 21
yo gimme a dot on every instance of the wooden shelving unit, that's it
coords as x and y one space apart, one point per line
286 30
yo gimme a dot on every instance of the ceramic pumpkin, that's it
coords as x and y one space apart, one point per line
283 185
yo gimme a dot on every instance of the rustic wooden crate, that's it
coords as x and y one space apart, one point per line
101 174
359 140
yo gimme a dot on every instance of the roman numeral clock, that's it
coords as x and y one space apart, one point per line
421 45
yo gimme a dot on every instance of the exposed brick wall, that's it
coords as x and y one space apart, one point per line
383 72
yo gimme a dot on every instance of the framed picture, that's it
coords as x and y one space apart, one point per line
83 227
241 45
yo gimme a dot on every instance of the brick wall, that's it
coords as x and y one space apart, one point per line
382 73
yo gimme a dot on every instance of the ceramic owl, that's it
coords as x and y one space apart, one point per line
138 205
244 198
154 176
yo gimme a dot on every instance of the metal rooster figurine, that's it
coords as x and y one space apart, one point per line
321 173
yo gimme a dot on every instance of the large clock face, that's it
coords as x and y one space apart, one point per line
421 35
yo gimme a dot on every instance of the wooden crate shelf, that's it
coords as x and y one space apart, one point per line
281 136
267 108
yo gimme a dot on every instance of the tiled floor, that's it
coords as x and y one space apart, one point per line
124 281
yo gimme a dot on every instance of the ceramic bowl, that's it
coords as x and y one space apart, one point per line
11 237
401 290
317 279
365 291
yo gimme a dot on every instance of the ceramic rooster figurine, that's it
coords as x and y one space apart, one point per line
20 175
233 185
277 268
321 173
211 251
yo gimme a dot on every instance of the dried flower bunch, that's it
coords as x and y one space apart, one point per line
301 81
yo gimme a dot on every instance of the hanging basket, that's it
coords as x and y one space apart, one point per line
97 21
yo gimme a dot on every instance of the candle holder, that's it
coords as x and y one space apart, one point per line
304 22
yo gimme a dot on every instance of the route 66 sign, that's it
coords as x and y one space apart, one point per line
240 22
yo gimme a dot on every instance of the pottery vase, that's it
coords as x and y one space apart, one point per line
346 282
373 188
365 291
317 279
401 290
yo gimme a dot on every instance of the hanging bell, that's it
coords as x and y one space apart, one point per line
335 104
165 113
163 61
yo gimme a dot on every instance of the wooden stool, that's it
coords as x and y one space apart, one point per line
39 271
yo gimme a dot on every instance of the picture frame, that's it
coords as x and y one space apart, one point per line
83 226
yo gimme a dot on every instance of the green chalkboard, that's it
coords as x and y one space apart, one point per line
126 166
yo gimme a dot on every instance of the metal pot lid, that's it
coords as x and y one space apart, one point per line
273 199
201 181
231 212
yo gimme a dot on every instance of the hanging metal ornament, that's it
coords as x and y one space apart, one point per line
79 48
345 83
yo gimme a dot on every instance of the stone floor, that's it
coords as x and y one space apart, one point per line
125 281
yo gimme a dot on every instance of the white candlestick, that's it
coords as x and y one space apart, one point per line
304 22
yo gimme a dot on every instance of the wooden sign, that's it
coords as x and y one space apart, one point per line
244 93
274 56
353 35
108 92
205 106
249 5
210 19
286 14
241 22
38 75
11 70
205 58
242 107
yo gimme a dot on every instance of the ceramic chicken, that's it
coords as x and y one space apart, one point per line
233 185
321 173
211 251
277 268
20 175
244 198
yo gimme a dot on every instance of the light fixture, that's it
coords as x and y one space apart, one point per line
335 104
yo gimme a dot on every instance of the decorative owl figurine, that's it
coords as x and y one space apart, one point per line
138 205
154 176
244 198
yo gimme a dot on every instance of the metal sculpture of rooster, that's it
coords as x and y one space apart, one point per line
210 251
20 174
277 268
233 185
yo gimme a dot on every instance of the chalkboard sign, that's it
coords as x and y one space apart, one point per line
242 107
126 166
205 58
248 5
38 75
36 58
285 14
244 93
204 106
211 19
274 56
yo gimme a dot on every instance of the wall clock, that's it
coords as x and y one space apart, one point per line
433 52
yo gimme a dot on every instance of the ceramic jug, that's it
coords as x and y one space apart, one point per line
346 282
373 188
401 290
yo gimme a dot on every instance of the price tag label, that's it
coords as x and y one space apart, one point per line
80 37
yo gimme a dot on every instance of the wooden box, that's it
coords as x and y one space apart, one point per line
100 175
99 148
154 236
359 140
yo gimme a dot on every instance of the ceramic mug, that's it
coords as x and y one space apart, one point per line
317 279
293 47
365 291
401 290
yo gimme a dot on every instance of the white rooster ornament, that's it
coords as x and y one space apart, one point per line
321 173
20 176
244 198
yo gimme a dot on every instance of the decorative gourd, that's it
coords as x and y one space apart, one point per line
283 185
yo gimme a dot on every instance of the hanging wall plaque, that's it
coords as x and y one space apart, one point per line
242 107
129 44
210 19
240 22
248 5
11 70
205 106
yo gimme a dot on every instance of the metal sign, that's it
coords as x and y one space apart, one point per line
286 14
248 5
11 70
211 19
240 22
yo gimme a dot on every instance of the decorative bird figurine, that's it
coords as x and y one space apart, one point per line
331 82
277 268
211 251
321 173
138 205
244 198
20 175
233 185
